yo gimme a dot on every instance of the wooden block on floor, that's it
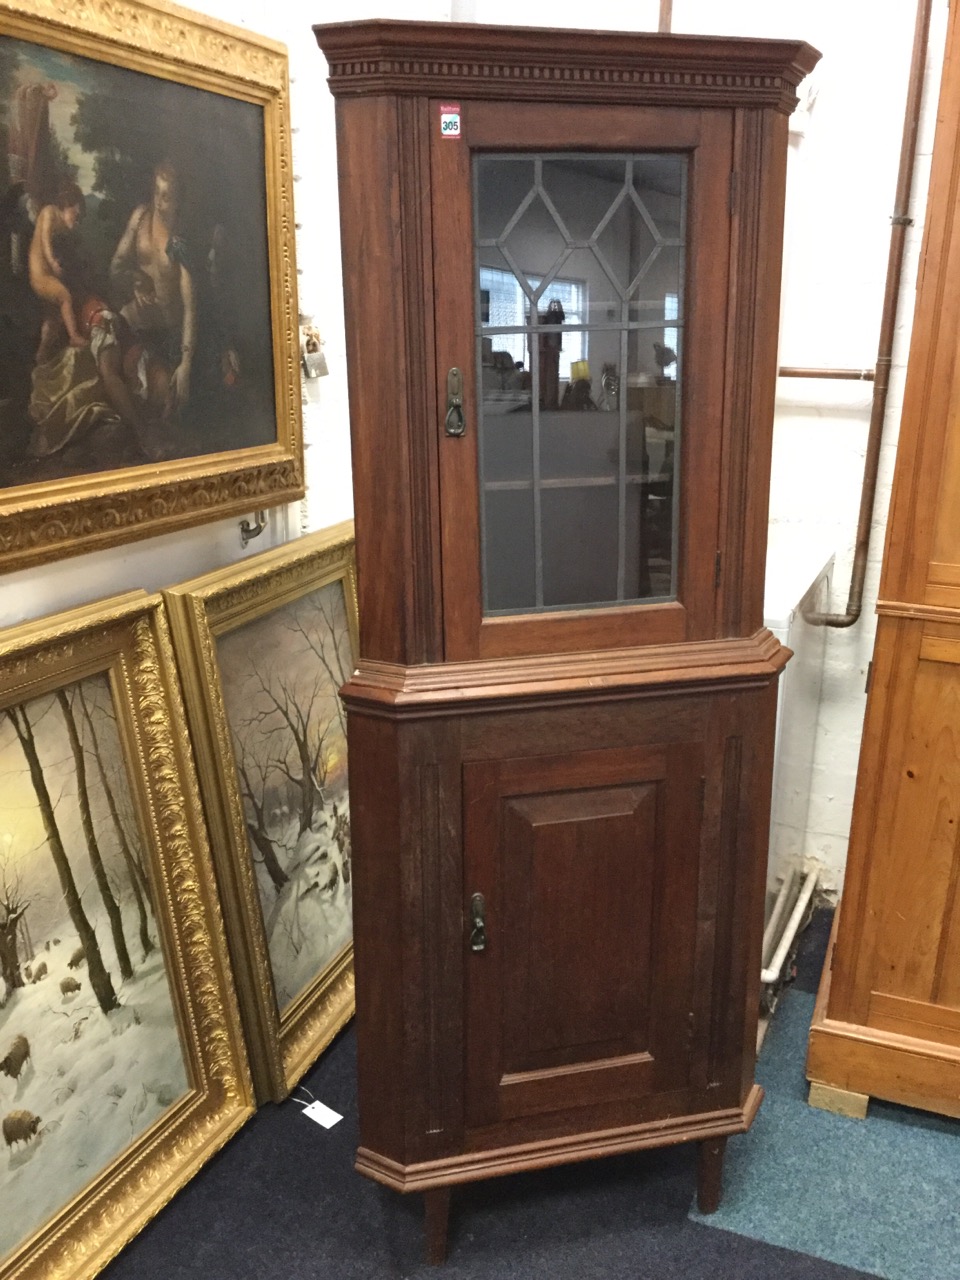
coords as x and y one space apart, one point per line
840 1101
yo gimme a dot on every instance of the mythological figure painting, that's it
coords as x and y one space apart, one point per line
135 314
90 1052
280 676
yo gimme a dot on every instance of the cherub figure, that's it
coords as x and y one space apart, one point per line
55 221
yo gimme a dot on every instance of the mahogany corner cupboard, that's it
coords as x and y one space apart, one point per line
562 269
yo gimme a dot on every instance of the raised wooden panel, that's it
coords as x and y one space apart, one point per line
918 1018
577 905
921 527
945 546
921 842
587 864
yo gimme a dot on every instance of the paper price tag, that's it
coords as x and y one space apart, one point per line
450 119
322 1114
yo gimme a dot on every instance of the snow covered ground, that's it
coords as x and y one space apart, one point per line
97 1082
311 920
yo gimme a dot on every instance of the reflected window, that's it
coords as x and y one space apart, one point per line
504 305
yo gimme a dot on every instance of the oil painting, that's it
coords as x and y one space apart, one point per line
140 259
94 1066
91 1053
276 640
280 675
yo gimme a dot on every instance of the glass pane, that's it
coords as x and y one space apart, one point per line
580 537
580 264
534 246
655 292
585 289
502 185
658 185
626 244
582 189
507 438
654 355
510 551
583 444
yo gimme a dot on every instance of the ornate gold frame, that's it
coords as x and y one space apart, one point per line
128 640
281 1048
51 519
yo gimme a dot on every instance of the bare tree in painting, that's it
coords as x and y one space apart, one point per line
254 777
138 880
288 713
100 979
13 908
280 678
329 643
94 853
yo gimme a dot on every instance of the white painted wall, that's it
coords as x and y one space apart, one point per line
841 184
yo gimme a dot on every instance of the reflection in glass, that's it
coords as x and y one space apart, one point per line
579 310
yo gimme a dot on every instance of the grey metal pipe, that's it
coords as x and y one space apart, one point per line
846 375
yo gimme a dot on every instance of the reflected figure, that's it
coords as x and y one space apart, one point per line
551 344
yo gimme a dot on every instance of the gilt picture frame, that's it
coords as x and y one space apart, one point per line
122 1060
149 363
263 649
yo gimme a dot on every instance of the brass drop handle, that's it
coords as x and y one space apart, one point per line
455 424
478 927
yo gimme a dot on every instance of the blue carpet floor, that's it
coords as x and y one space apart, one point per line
881 1195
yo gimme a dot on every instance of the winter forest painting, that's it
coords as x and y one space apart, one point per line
135 321
90 1054
280 675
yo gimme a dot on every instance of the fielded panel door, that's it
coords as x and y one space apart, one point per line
581 295
583 870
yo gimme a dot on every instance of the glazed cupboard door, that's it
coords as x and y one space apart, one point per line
581 874
580 342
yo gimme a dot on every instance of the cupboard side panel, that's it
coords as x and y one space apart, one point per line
759 180
757 720
434 935
384 219
378 931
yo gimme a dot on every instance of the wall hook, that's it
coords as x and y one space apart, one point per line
250 531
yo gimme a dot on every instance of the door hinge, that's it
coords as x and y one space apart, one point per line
734 183
866 684
717 569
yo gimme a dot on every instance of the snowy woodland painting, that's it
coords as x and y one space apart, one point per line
263 650
147 300
114 1004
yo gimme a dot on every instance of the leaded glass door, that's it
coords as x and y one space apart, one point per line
582 303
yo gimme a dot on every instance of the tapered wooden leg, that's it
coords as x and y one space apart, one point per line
437 1207
710 1174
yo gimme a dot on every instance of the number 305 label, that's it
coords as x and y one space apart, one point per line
450 119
